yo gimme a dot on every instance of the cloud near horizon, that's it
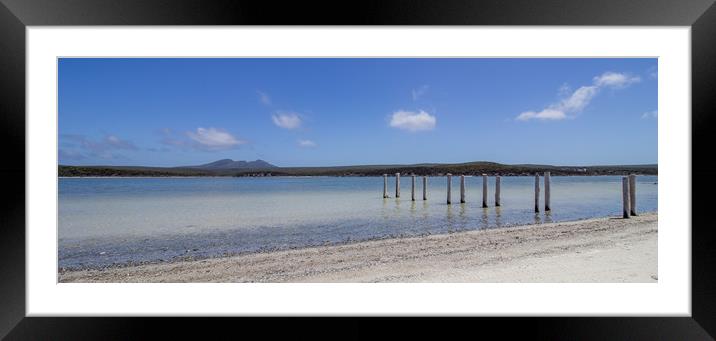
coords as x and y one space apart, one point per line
287 120
213 139
412 121
577 101
79 147
307 144
650 114
202 139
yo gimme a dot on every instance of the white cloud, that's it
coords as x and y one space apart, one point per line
69 155
306 143
287 120
117 143
264 98
213 139
419 92
78 147
169 139
546 114
578 100
650 114
412 121
575 103
616 80
565 90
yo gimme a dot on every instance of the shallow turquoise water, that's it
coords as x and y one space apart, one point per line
105 221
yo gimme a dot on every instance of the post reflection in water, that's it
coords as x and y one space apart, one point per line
548 217
463 218
538 218
450 219
498 215
484 223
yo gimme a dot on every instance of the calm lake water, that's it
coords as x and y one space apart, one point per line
105 221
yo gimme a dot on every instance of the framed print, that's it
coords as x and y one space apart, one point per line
423 159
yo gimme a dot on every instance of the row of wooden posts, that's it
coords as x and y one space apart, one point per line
462 189
628 191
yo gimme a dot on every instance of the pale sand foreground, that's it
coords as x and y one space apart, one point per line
596 250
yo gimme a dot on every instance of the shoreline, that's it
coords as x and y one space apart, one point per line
593 250
315 176
181 259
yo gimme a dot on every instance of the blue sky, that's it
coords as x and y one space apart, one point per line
324 112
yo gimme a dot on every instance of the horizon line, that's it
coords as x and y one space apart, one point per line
376 164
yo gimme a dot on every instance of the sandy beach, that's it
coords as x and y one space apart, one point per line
596 250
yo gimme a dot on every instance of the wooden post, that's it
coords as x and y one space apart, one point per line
425 188
625 197
412 188
397 185
484 190
536 192
462 189
449 187
632 194
546 192
497 190
385 186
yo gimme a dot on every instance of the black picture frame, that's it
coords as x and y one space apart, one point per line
15 15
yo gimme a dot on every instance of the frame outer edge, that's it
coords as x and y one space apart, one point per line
12 169
703 106
12 86
364 12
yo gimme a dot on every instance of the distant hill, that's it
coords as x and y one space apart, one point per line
231 164
229 167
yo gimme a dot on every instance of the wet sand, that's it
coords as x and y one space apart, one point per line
595 250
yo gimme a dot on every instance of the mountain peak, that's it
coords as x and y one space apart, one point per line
231 164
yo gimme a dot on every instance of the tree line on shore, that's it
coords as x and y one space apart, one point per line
472 168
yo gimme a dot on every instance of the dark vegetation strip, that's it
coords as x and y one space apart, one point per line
473 168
